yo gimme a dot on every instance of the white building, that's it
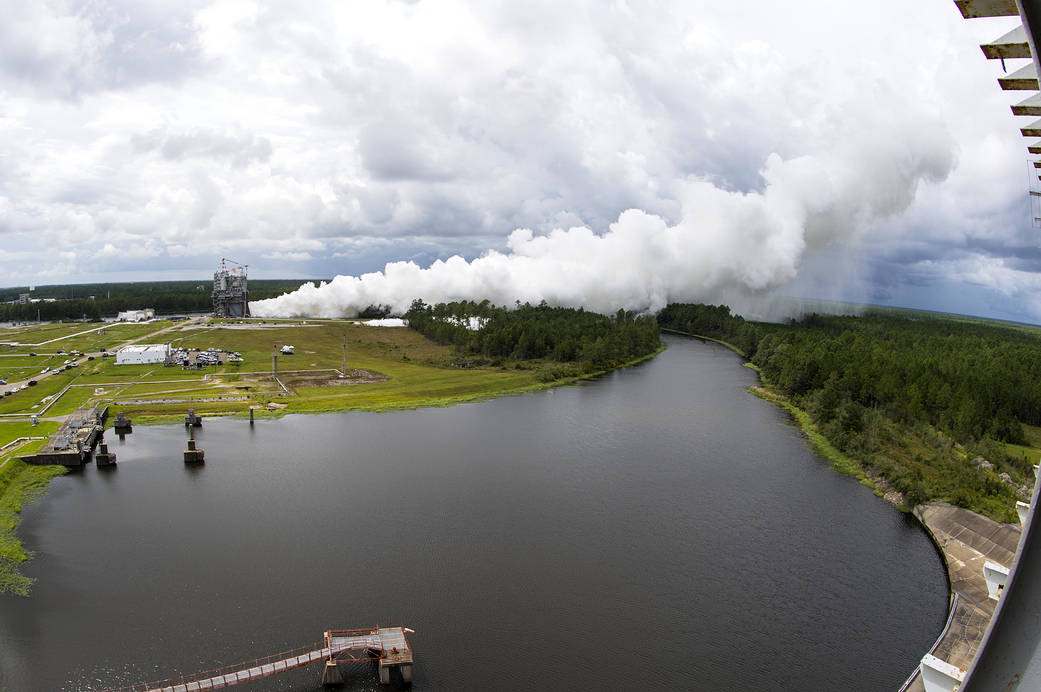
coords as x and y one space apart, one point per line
142 353
136 315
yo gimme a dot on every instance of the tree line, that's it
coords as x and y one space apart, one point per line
917 400
94 301
527 332
713 321
969 380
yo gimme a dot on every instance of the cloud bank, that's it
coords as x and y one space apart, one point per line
725 243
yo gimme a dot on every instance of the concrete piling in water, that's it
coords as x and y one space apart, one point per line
122 425
331 675
193 455
397 674
251 415
103 457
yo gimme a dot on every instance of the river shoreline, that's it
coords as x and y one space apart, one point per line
406 404
963 539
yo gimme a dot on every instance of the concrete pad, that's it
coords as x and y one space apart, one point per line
968 541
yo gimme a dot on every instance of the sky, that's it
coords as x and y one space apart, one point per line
608 154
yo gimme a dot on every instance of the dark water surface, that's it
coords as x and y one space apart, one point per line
657 529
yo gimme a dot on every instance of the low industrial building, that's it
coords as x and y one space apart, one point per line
136 315
143 353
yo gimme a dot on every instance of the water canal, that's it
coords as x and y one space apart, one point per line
659 528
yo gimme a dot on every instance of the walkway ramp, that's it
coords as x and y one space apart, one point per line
386 645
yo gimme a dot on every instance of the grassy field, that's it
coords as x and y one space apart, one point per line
14 429
82 336
19 483
1032 450
387 368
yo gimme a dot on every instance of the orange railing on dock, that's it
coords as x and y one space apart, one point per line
355 645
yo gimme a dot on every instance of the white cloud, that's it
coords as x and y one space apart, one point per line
288 256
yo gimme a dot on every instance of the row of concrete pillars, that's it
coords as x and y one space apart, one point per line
398 674
194 455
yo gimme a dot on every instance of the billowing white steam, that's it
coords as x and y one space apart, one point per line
725 243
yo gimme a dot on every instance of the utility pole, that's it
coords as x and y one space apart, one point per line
343 372
274 361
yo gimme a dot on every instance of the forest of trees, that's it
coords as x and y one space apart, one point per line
914 399
969 380
714 321
94 301
528 332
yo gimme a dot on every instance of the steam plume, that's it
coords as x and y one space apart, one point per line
725 243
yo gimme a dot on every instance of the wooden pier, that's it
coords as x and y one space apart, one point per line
387 647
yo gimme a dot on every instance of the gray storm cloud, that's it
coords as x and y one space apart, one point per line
724 243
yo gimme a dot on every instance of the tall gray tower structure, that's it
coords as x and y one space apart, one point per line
230 293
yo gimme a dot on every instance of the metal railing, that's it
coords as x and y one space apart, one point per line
236 669
226 676
943 633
